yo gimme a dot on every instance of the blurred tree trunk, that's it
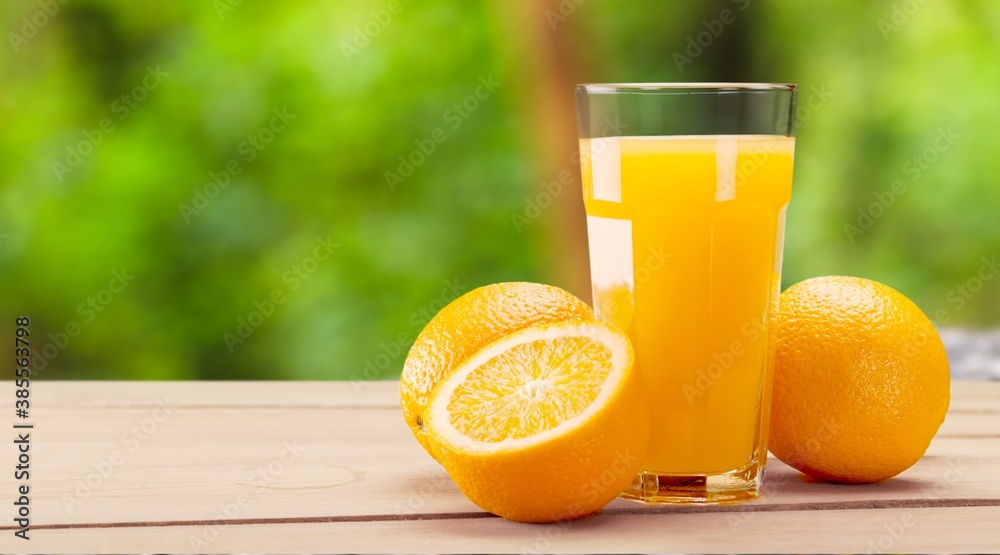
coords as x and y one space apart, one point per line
552 61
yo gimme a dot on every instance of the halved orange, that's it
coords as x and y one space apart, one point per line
468 324
547 424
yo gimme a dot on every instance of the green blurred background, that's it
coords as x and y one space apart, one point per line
159 220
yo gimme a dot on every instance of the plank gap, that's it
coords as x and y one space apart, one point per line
640 510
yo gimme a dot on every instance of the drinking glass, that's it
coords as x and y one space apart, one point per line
685 187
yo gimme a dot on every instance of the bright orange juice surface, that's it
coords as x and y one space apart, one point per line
704 216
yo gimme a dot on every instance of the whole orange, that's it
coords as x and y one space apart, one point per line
469 323
861 380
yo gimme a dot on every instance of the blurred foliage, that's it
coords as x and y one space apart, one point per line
361 82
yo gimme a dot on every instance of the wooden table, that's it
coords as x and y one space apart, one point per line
330 467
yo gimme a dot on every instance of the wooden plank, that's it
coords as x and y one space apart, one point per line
970 424
964 446
958 529
249 394
967 396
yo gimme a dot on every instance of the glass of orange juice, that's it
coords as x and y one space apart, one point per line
685 187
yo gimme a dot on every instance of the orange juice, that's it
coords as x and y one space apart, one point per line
685 251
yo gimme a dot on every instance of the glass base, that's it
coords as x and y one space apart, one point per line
743 484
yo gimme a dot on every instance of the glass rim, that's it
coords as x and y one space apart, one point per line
606 88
